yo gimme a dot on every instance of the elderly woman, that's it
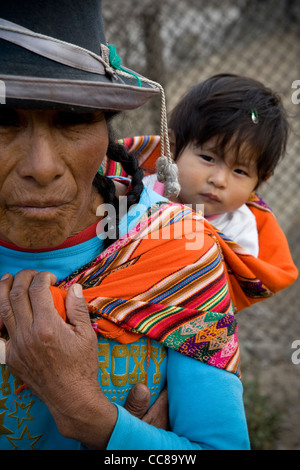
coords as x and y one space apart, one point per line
94 298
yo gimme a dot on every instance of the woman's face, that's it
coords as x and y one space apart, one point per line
48 160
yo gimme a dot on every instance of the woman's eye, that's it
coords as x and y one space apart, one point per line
74 119
9 119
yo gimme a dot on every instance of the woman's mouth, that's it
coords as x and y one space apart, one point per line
37 209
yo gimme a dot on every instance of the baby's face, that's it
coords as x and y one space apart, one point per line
221 184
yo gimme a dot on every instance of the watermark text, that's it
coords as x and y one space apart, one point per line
171 226
296 354
296 93
2 92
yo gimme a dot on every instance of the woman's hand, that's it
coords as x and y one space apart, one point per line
138 401
58 360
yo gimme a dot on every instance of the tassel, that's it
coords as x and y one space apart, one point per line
167 173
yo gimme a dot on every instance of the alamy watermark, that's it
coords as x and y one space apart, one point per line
296 93
296 354
2 92
296 344
136 222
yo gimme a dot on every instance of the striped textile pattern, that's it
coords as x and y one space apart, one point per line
188 308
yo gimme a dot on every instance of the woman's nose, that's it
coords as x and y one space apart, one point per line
41 161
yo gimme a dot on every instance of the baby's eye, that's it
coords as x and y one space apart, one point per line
207 158
239 171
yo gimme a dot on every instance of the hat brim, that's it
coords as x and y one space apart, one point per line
35 92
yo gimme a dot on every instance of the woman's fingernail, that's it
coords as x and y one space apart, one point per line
2 351
77 289
5 276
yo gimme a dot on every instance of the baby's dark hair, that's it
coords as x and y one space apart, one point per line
222 107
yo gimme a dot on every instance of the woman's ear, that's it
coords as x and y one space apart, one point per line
172 141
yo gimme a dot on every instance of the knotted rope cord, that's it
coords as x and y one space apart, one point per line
115 61
167 171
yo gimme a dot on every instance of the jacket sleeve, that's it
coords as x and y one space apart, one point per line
206 412
254 279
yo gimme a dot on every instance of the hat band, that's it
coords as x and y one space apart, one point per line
54 49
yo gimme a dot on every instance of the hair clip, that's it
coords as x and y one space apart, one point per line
254 116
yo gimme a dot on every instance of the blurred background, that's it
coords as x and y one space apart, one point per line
179 43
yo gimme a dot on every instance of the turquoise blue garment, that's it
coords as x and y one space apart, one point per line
206 406
206 412
120 366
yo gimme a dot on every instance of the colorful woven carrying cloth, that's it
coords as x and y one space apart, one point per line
184 298
145 148
250 279
254 279
164 279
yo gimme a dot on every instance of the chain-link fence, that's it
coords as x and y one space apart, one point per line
181 43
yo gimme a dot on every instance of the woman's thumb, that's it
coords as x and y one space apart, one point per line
76 306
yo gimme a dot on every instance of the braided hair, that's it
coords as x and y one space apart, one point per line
106 187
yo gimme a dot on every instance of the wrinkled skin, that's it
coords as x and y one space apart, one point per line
42 346
46 196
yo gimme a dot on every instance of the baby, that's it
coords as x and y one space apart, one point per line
227 135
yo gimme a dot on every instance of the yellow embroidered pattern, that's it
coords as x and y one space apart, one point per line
24 419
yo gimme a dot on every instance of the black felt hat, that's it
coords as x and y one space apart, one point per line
54 54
